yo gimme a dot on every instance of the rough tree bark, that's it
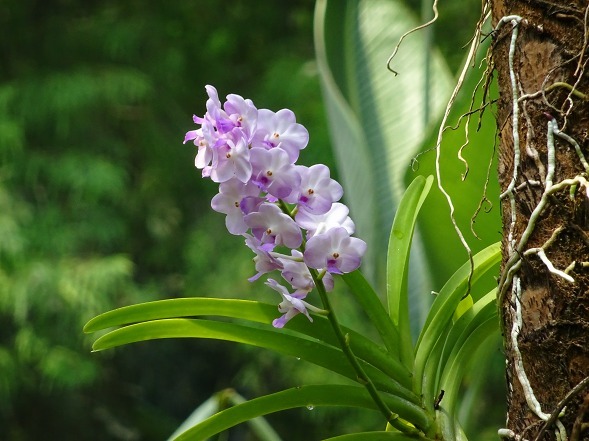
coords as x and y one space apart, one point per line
550 54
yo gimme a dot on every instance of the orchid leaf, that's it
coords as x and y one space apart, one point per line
398 263
282 341
456 287
258 312
304 396
431 376
443 308
218 402
453 337
483 309
368 299
184 307
459 362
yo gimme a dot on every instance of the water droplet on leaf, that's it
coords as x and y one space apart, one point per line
398 234
310 407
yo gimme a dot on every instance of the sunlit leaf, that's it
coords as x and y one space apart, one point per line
398 263
279 340
259 312
464 305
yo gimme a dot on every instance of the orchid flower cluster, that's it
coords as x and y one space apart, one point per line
274 203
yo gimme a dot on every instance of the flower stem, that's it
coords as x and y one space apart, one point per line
392 418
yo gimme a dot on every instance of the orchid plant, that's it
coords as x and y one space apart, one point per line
292 219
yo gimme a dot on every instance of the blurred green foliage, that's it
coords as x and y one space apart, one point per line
100 205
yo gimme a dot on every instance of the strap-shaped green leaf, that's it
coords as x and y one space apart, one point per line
449 426
283 341
431 376
259 426
398 263
447 347
371 304
455 288
482 310
444 306
446 424
184 307
458 362
304 396
259 312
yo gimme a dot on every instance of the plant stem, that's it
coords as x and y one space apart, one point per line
392 418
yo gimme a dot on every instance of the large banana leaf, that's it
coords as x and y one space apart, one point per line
376 119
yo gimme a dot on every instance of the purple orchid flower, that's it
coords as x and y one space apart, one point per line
280 130
317 191
231 159
335 250
272 227
229 200
297 274
263 261
273 172
242 114
337 216
291 305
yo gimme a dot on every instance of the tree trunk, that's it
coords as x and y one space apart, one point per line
545 221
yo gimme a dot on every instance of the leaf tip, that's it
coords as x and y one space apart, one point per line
89 327
97 347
